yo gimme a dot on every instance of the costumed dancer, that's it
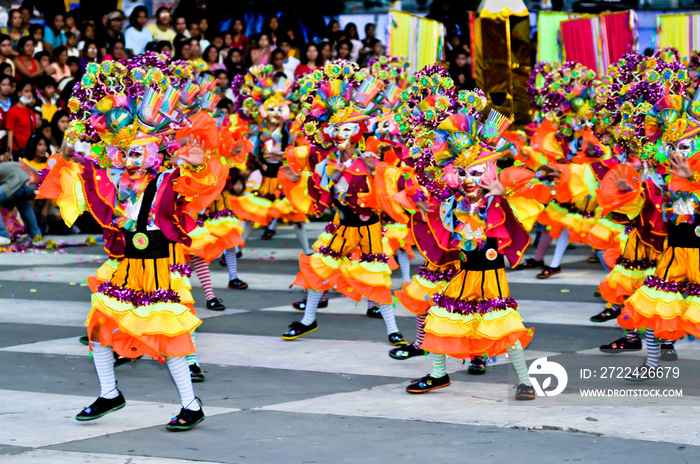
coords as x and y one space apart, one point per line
340 172
483 217
267 103
145 308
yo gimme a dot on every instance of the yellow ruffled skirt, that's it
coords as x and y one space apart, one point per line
144 306
474 316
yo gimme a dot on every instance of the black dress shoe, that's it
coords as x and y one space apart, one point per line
268 234
301 305
196 374
530 263
525 392
297 329
407 351
668 352
237 284
101 407
215 304
622 344
477 366
374 312
428 383
85 340
186 420
548 272
607 314
397 339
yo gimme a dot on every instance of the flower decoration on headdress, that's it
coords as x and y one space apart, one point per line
338 93
627 93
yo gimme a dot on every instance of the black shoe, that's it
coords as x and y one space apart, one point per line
571 246
215 304
186 420
606 315
222 261
525 392
85 340
196 374
297 329
622 344
268 234
593 259
477 366
549 272
239 254
301 305
397 339
428 383
101 407
405 352
668 352
237 284
374 313
530 263
597 293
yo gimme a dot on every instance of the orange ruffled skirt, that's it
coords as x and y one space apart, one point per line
474 316
266 204
225 232
143 307
637 262
666 303
352 262
415 295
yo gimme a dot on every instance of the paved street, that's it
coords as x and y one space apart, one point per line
334 396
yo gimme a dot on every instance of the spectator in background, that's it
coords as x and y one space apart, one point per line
69 27
326 52
20 121
74 65
44 60
195 50
234 63
310 60
277 58
6 51
14 193
6 69
36 152
88 33
290 37
211 58
369 39
71 46
137 35
182 49
91 54
164 47
59 125
14 30
223 83
461 70
343 50
290 63
26 67
376 49
161 29
5 92
272 30
47 91
261 54
60 66
53 32
37 33
25 13
204 32
332 29
238 39
116 53
115 22
181 28
45 130
354 38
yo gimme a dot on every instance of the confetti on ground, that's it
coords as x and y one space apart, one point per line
32 290
71 283
565 290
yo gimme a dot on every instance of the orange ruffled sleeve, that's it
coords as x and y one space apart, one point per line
298 192
611 199
201 189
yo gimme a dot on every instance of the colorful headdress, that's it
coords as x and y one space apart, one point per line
337 94
259 89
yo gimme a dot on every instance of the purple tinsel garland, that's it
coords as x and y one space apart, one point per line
693 289
325 251
212 216
331 228
638 264
436 276
465 307
664 285
136 297
374 258
42 175
182 269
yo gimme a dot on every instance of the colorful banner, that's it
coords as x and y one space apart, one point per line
681 31
420 40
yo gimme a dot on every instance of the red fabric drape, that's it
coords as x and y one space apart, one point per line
619 34
578 40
